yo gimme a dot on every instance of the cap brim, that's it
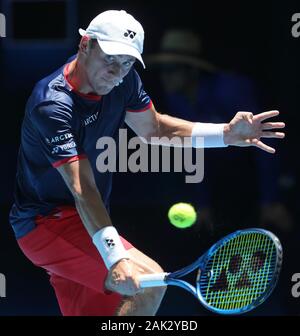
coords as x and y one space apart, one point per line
117 48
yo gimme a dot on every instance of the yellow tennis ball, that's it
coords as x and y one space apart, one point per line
182 215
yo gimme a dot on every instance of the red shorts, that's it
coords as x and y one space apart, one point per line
61 245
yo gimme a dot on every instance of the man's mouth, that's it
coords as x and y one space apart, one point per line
114 82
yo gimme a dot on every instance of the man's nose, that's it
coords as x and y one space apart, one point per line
115 70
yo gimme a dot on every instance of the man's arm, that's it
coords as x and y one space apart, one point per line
79 177
245 129
151 124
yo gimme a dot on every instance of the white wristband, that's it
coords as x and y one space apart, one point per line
109 245
210 134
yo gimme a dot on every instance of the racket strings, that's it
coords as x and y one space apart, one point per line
239 271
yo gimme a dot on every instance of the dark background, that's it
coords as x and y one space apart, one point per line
249 38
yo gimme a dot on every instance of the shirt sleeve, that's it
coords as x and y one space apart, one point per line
55 134
139 100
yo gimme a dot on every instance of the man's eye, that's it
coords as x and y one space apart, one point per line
110 59
128 64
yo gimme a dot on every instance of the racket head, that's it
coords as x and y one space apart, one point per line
240 271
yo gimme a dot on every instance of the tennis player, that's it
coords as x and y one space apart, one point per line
61 211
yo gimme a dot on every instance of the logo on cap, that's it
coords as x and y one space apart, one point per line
130 33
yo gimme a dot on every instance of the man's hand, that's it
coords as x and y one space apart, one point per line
246 129
123 278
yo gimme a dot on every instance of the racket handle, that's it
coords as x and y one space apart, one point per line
153 280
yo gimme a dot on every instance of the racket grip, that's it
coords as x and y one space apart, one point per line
153 280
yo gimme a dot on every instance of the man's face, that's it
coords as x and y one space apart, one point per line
104 71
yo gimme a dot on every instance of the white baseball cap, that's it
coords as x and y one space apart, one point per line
118 33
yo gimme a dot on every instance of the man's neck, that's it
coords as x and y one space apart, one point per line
77 78
74 78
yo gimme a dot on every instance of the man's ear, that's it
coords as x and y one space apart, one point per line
84 45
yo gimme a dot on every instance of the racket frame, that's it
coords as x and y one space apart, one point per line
206 257
163 279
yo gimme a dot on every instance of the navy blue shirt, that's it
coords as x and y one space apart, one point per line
60 126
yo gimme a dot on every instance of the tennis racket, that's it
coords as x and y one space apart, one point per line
234 276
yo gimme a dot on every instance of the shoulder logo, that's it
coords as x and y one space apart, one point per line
129 33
